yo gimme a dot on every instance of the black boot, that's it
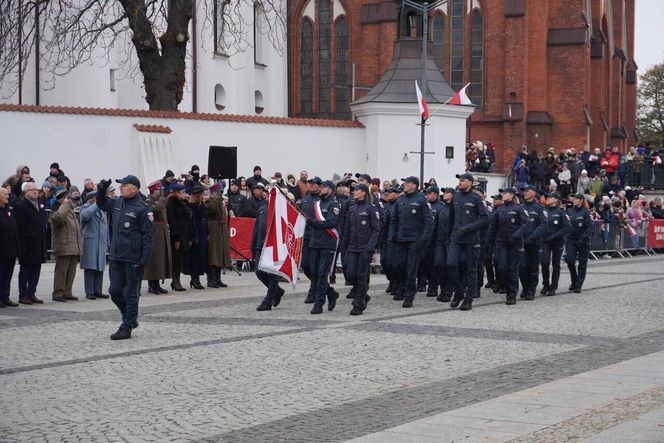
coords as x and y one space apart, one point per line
152 287
467 304
212 278
175 283
220 283
310 298
511 299
544 290
389 288
458 296
351 294
195 282
432 291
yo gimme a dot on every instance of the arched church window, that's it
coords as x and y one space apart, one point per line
342 67
457 44
324 56
306 67
438 38
477 58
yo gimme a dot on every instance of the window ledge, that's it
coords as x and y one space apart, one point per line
220 55
260 65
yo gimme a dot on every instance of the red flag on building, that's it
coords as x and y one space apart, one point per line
282 250
461 98
421 102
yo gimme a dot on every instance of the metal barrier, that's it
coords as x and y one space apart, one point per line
646 174
619 238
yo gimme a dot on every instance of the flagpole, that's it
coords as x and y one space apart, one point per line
291 201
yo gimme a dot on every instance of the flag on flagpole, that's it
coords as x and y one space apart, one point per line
284 236
421 102
461 98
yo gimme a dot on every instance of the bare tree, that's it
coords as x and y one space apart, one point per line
650 106
72 32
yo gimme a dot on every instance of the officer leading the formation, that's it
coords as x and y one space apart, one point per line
470 216
443 227
307 206
360 237
577 247
131 245
532 243
507 229
410 228
557 227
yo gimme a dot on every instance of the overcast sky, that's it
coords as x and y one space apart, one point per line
648 39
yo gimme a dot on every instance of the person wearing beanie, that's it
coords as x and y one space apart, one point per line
257 178
55 171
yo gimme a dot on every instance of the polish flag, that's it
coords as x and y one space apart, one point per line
421 102
461 98
282 250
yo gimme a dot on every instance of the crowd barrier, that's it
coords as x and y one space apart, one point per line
647 175
625 238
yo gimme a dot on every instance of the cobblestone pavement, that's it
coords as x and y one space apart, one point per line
206 366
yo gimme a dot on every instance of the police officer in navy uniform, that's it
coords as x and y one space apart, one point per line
322 246
389 197
470 217
360 237
410 226
577 247
532 243
307 206
429 255
483 244
557 228
131 245
507 229
271 281
443 229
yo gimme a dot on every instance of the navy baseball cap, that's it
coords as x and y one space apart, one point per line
367 177
359 187
529 188
411 179
552 194
450 190
511 189
434 189
465 176
315 180
577 195
129 180
175 186
328 184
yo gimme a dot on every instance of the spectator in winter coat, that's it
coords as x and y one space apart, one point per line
608 163
596 186
583 184
521 174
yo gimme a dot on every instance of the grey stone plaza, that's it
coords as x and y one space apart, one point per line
206 366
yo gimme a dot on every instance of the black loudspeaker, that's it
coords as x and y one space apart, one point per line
222 162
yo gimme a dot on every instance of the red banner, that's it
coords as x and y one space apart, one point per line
656 234
241 233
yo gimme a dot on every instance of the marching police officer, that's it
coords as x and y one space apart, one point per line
429 255
410 227
131 245
443 228
532 243
271 281
507 228
307 205
469 217
389 197
483 244
557 227
360 237
577 247
323 246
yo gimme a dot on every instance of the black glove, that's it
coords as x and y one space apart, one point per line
366 255
103 186
461 231
138 267
581 243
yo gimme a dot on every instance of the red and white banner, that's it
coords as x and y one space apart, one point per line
656 233
461 98
282 250
241 231
421 102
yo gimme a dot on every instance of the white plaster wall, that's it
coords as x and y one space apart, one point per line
99 146
392 130
89 85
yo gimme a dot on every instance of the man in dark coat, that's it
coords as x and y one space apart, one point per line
10 248
31 220
257 178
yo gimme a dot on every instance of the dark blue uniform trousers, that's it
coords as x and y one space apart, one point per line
529 267
440 268
304 263
507 262
393 260
271 281
469 254
551 254
125 279
408 258
320 263
357 268
6 273
577 252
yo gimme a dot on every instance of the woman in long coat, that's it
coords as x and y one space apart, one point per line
181 230
198 254
219 245
94 231
160 265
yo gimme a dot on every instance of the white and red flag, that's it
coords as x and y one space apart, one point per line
461 98
282 250
421 102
